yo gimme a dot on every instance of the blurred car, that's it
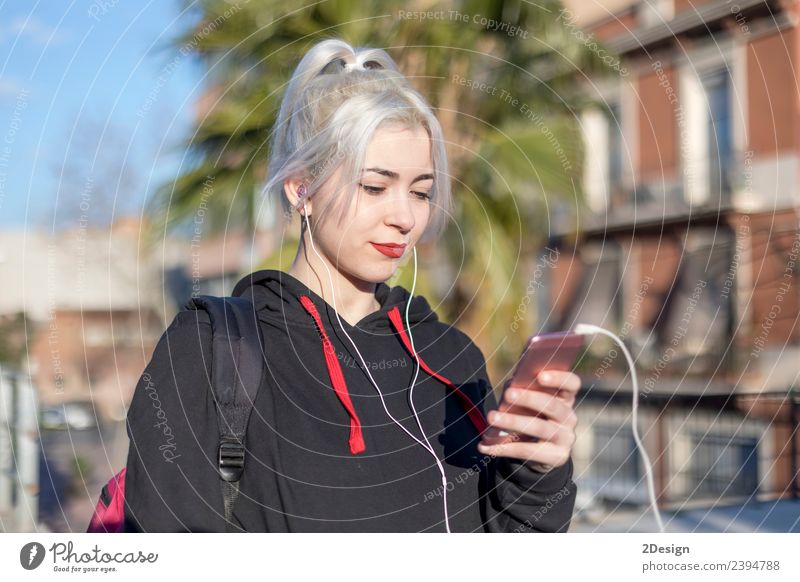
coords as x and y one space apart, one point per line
70 415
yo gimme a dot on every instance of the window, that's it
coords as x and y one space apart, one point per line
605 179
708 147
615 454
616 191
698 317
598 299
724 466
717 87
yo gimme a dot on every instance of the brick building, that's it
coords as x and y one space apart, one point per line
689 249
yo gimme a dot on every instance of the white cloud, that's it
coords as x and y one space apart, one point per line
9 87
37 31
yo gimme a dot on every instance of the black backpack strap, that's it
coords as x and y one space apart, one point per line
237 369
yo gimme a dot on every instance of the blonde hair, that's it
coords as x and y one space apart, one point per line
336 99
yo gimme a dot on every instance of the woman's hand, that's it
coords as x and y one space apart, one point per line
544 411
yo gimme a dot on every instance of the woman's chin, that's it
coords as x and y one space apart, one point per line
379 273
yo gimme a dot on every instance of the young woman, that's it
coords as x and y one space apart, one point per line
371 414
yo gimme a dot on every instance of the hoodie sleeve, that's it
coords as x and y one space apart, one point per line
519 499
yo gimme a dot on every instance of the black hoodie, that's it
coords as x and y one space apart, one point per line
323 455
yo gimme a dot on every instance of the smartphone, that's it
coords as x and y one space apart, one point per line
547 351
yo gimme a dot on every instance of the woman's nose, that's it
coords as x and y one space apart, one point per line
399 212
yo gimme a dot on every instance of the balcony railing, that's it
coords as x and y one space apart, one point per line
664 197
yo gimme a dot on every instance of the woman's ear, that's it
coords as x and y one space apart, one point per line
293 190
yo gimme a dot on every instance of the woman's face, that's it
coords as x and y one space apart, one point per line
391 206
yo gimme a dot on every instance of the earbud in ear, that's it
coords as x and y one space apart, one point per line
301 193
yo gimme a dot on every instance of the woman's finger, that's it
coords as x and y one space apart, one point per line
549 405
559 379
536 427
524 425
564 385
543 452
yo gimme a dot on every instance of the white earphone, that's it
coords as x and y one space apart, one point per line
582 329
302 192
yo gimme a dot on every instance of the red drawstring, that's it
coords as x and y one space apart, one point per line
474 413
337 379
356 440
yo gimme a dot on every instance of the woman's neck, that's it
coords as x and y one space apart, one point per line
355 299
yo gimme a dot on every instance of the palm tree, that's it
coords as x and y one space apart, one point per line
513 154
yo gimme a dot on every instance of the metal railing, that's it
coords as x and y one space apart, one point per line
702 454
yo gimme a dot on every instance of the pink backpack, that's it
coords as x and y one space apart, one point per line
109 514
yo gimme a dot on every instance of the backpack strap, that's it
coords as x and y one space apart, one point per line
237 370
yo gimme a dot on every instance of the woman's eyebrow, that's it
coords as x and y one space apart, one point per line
395 175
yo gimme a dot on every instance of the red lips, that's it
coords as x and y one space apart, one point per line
393 250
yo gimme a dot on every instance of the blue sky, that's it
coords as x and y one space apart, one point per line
89 90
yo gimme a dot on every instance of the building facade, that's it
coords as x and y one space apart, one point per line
689 248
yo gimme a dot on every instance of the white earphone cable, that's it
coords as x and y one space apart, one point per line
426 444
411 396
588 329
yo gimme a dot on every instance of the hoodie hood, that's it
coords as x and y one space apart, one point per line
277 297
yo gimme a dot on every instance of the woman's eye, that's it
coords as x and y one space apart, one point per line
379 189
372 189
